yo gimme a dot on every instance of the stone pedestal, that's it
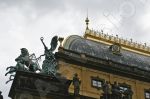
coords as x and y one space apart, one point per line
27 85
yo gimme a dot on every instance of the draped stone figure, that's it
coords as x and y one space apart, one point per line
76 83
106 89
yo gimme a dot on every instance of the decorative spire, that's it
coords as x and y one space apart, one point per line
87 22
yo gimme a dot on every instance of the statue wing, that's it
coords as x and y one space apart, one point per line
54 43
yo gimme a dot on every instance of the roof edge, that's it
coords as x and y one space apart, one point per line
109 40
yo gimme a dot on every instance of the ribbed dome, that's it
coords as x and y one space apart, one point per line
100 50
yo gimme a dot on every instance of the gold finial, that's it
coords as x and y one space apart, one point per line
87 21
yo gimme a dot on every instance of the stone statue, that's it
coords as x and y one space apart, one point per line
106 88
76 83
49 65
24 63
1 97
116 91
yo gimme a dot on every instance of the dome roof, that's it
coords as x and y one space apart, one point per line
101 50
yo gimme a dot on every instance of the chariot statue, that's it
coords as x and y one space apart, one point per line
25 62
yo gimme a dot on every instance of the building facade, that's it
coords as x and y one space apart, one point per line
98 58
106 66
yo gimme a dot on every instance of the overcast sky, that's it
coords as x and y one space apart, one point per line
23 22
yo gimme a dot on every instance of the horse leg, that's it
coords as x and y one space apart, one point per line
10 67
9 80
9 72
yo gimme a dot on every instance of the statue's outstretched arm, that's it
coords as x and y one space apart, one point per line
45 47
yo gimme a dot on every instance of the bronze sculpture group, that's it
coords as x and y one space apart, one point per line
24 63
27 62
